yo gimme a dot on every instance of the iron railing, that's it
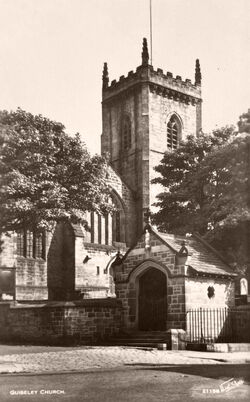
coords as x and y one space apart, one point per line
204 325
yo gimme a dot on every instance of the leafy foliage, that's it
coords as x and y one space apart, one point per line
207 190
46 175
244 122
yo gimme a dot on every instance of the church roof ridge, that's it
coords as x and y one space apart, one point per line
202 260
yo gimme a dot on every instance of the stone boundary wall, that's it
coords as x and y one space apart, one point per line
242 323
86 321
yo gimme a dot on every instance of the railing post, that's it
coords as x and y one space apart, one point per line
202 337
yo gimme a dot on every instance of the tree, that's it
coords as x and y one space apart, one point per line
244 122
207 190
46 175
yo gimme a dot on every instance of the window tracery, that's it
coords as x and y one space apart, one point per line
173 132
31 244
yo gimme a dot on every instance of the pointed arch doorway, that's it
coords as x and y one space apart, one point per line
152 300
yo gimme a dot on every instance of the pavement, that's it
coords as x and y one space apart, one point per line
35 359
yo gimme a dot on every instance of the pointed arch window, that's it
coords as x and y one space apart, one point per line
118 220
39 245
117 226
173 132
92 227
126 132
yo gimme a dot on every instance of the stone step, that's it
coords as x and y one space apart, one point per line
135 344
141 344
142 334
139 339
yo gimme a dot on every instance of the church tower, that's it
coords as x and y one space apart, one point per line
145 114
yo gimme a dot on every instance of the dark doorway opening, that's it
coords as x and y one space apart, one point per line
152 301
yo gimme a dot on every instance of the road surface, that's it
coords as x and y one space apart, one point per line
140 383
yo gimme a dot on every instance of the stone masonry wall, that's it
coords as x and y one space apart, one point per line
127 289
31 279
183 292
160 110
33 276
30 273
93 277
131 164
208 316
196 293
85 321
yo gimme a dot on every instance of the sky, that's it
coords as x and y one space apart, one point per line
52 54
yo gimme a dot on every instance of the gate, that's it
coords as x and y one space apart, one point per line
152 313
222 325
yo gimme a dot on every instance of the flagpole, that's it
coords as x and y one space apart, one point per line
151 34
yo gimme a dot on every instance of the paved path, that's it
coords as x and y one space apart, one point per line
85 358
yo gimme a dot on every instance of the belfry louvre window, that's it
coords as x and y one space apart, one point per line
126 133
173 133
31 244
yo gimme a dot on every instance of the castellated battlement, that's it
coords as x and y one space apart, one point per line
164 84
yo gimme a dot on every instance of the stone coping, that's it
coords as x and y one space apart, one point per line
110 302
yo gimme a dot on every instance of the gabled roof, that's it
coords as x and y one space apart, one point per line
77 229
202 257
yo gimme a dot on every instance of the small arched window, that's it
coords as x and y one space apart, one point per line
173 132
126 132
243 286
